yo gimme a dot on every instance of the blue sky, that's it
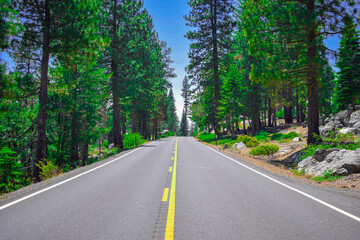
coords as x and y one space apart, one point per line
170 24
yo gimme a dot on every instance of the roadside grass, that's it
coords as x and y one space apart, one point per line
264 150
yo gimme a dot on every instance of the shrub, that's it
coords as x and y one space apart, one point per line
327 176
48 170
132 140
207 137
10 171
263 136
196 133
248 141
264 149
171 134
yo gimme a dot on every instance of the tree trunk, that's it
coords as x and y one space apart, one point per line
274 121
269 113
133 117
312 82
244 124
84 144
74 136
297 107
215 64
118 141
43 94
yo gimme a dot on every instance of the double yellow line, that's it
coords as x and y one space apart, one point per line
169 231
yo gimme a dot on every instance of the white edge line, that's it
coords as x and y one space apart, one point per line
287 186
67 180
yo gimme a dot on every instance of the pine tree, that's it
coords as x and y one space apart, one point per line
211 41
348 78
184 125
172 124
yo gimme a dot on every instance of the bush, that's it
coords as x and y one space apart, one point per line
263 136
248 141
10 171
207 137
132 140
48 170
279 136
327 176
196 133
264 149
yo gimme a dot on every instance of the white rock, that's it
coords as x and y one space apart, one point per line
239 145
297 139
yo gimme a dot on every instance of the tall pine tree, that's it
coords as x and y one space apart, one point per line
211 41
347 89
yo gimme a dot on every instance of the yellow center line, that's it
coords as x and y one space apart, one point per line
169 232
172 158
170 169
165 195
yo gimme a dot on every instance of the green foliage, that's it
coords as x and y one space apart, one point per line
263 137
347 89
10 171
133 140
279 136
196 133
296 172
264 149
48 170
248 141
327 176
206 137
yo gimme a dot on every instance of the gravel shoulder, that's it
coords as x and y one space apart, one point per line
349 185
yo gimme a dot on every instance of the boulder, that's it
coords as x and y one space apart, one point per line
341 162
356 125
165 131
307 163
111 146
297 139
225 146
239 145
343 117
354 131
212 132
355 119
320 154
329 119
330 127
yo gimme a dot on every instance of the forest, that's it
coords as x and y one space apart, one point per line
92 78
252 62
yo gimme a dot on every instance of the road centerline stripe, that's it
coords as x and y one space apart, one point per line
287 186
169 231
165 195
170 169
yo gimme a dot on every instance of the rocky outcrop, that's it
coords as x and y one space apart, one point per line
225 146
340 162
348 119
355 119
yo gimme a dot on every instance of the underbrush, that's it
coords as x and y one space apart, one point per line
327 176
248 141
263 137
168 134
133 140
281 136
264 150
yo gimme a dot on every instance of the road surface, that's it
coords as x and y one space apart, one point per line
177 188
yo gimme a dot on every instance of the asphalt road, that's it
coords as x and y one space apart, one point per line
178 188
